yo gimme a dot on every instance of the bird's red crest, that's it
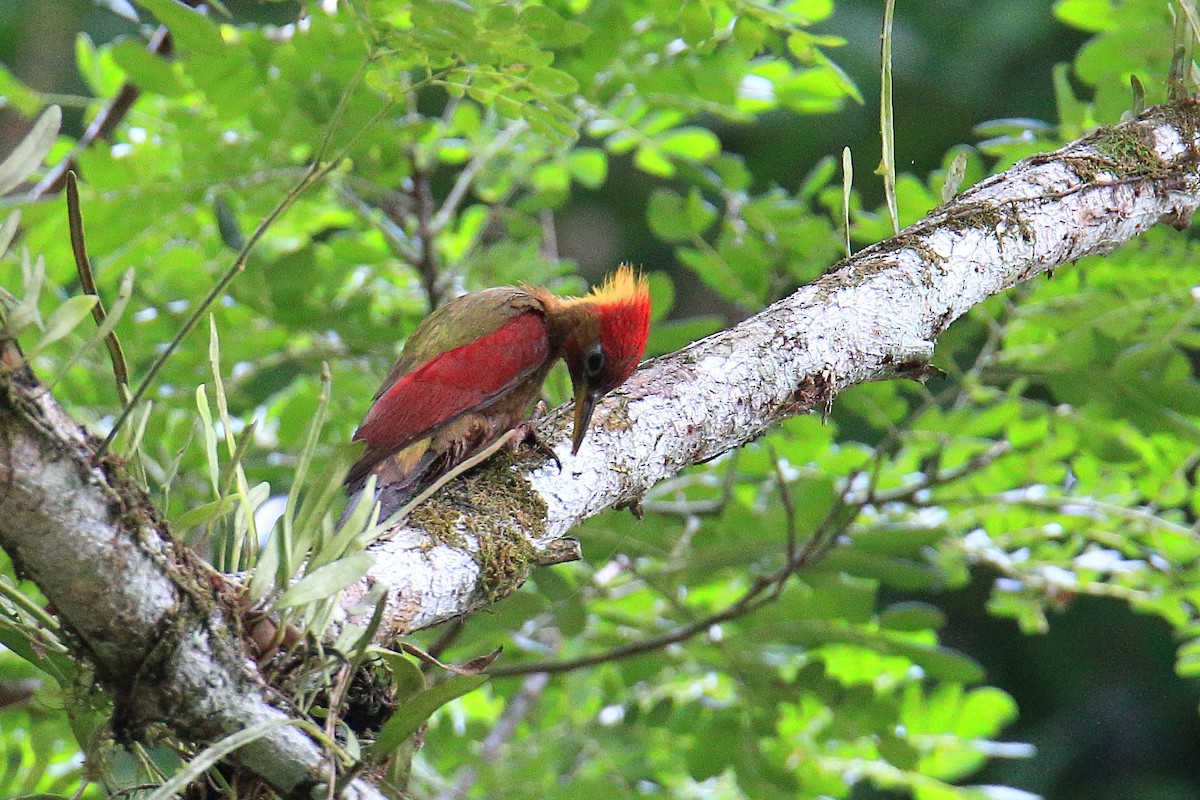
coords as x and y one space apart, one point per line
622 304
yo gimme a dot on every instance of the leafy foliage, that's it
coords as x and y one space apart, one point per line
771 628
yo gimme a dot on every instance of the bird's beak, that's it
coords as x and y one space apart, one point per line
585 403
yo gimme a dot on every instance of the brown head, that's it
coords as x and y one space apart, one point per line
601 336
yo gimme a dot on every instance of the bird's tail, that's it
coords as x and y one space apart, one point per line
399 477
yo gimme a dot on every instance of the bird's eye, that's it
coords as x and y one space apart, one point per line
593 362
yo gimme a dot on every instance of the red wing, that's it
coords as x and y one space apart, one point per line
455 382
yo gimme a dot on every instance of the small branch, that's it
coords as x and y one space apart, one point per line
427 261
491 749
466 178
549 248
315 172
83 266
766 589
692 508
749 602
972 464
401 244
103 125
1090 505
443 642
789 509
836 522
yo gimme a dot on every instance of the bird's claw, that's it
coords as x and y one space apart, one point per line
526 434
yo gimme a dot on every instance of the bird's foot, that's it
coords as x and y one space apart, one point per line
525 433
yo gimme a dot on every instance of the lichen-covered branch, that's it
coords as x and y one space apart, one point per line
147 614
874 316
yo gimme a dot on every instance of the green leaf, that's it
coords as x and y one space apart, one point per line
897 751
552 31
901 573
551 178
412 715
1087 15
888 541
553 585
28 154
149 71
715 742
693 144
212 459
1187 659
667 219
113 317
696 21
912 616
8 229
203 514
571 616
662 295
700 213
407 677
56 665
666 337
674 220
1072 112
191 29
65 319
327 581
941 663
16 94
552 81
588 166
212 754
445 21
650 159
551 124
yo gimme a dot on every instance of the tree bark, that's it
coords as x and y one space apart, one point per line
153 622
144 611
874 316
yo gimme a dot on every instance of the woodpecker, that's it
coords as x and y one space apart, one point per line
471 370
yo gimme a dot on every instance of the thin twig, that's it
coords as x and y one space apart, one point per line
490 750
401 243
427 261
84 267
750 601
972 464
549 236
837 520
785 498
693 508
331 719
104 123
140 787
1090 504
453 629
466 178
314 173
764 590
